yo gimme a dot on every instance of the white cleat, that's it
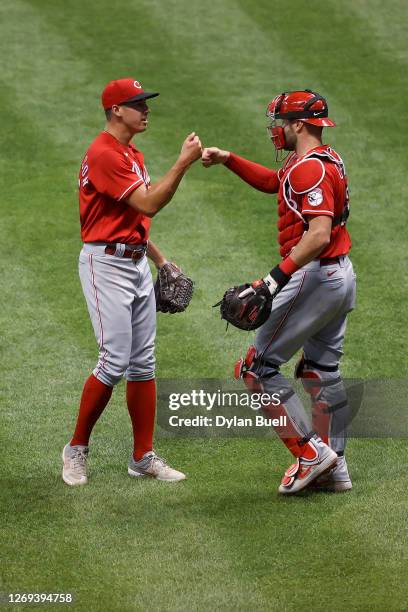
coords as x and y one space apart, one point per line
336 480
74 471
302 473
156 467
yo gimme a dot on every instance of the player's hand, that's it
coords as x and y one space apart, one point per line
213 155
191 149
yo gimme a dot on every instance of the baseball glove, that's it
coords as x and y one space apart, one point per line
249 311
173 289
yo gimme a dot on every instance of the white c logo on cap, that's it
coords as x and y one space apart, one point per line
137 85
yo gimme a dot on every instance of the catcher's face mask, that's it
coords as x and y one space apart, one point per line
275 127
276 133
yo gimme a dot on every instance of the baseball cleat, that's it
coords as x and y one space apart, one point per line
336 480
74 471
303 472
156 467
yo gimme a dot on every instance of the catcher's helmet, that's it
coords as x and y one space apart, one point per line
307 106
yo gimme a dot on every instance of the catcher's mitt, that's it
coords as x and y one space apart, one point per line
249 311
173 289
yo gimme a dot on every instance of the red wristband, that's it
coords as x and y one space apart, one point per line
288 266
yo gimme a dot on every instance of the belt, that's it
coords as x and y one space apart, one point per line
134 254
328 261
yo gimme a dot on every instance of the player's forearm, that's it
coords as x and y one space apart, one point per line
258 176
160 193
154 253
150 201
310 246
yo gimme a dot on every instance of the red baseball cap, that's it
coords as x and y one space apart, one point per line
124 90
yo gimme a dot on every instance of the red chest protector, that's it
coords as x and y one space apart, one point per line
298 177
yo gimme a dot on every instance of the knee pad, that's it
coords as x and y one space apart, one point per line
253 369
255 366
242 369
310 372
244 364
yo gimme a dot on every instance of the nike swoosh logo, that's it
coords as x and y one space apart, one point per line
315 114
331 273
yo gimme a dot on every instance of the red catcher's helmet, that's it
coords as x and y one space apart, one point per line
306 105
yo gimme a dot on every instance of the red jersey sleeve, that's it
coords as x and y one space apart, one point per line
114 176
319 200
263 179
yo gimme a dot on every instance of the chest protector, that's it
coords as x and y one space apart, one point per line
298 179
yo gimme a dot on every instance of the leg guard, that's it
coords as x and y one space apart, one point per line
329 401
260 376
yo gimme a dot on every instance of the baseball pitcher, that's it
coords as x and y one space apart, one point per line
116 203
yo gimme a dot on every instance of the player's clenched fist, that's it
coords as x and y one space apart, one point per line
191 149
213 155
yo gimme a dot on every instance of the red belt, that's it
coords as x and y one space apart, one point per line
134 254
328 261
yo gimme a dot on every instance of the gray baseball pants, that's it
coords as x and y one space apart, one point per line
310 313
120 297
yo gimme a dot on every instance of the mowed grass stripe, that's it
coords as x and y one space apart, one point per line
240 191
238 453
46 408
33 430
335 539
263 541
182 325
376 212
350 66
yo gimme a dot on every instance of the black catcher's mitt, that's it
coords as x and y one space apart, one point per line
173 289
249 311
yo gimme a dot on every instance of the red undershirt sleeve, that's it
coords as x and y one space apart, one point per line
261 178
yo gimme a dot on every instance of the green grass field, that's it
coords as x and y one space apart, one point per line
224 539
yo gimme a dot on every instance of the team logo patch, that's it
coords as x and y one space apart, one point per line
315 197
137 85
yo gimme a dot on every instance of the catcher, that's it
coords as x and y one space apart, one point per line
302 303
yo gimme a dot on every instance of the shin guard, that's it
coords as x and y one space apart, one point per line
328 399
295 434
